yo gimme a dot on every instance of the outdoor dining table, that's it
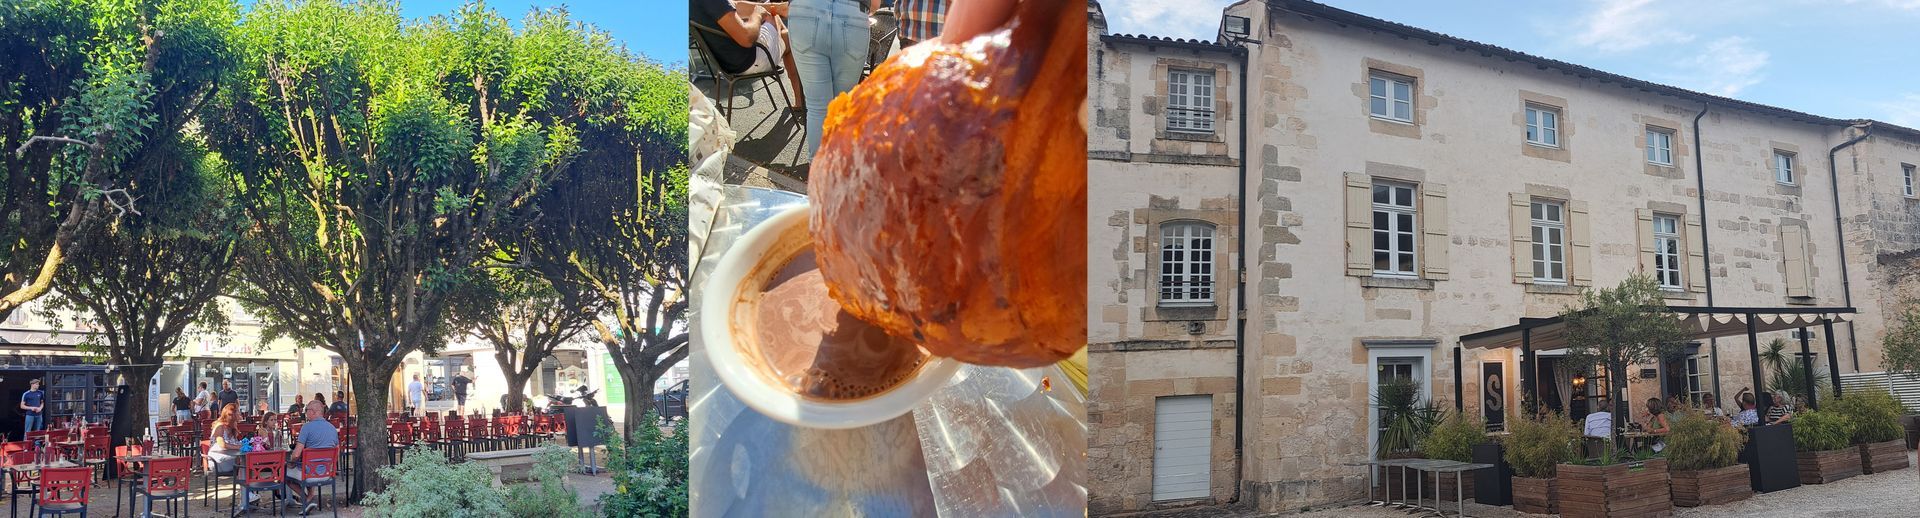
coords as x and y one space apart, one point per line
138 464
33 468
1438 467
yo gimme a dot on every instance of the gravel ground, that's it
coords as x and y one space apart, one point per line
1894 494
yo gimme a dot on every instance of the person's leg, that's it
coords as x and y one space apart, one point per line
853 38
808 24
799 100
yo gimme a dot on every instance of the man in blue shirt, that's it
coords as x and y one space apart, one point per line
31 403
316 433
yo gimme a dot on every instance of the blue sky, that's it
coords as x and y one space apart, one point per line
654 28
1837 58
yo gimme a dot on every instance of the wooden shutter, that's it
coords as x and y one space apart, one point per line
1522 224
1359 225
1694 270
1433 221
1793 248
1580 253
1643 227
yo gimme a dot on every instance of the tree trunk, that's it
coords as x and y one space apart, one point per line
516 391
371 418
639 394
136 411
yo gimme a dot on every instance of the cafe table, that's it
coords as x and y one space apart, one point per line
33 468
138 466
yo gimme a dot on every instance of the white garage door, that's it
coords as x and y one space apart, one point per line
1182 446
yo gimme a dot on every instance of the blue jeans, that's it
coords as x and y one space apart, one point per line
829 39
33 423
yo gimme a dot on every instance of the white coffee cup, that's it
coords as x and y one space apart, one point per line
752 259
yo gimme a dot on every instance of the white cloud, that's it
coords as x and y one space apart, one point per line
1727 65
1198 19
1626 25
1905 111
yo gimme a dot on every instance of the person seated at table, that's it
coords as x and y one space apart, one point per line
1598 430
1711 406
317 433
265 437
756 38
1782 409
226 440
1657 423
339 401
1748 415
299 402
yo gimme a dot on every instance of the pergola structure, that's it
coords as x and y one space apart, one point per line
1532 335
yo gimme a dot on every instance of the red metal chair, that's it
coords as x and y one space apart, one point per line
63 491
266 471
21 483
399 438
93 451
480 433
428 433
167 480
455 437
317 469
125 470
210 475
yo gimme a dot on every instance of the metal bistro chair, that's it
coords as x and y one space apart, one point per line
167 480
124 470
722 76
266 471
22 482
400 438
63 491
316 469
880 38
455 436
480 434
93 452
210 475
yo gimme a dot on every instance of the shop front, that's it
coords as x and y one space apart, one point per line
256 380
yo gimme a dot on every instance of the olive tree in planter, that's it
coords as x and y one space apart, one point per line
1453 439
1536 445
1877 431
1703 456
1901 350
1617 327
1824 440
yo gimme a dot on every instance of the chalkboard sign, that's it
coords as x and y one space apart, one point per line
583 426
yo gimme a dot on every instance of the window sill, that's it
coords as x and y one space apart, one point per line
1543 146
1406 283
1552 289
1186 312
1391 120
1191 135
1657 164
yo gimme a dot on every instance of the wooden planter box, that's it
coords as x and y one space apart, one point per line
1445 483
1820 467
1639 489
1881 457
1711 486
1535 495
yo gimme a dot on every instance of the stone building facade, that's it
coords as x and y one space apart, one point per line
1370 192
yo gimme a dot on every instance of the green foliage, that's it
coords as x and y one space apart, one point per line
1875 414
1824 430
1536 445
649 471
1786 374
548 496
1406 418
1454 438
1901 345
1621 326
425 485
1699 442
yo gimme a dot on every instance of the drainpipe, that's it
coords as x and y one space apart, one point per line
1840 234
1706 247
1240 301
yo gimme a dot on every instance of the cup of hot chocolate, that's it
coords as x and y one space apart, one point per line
786 349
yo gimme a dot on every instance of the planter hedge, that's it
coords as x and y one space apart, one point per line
1629 489
1715 486
1881 457
1534 495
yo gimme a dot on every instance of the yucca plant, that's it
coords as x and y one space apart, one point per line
1698 442
1406 420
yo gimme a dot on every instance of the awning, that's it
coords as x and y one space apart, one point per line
1704 322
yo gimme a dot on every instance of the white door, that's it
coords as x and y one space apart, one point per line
1182 447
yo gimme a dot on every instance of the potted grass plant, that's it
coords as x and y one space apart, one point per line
1454 439
1877 430
1824 441
1536 447
1703 458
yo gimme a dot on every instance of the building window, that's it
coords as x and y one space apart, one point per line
1783 167
1190 101
1543 126
1906 179
1393 230
1391 98
1186 263
1698 383
1388 370
1659 147
1666 251
1549 242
